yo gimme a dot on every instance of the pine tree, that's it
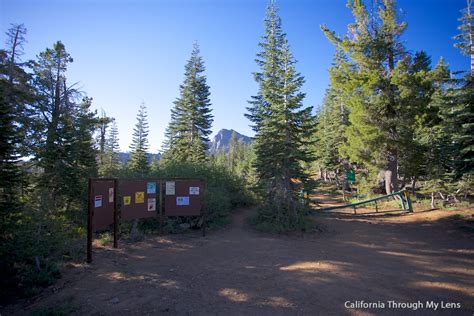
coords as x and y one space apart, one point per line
77 156
462 115
53 108
104 122
15 93
328 134
466 37
138 163
112 148
191 119
416 84
374 46
333 118
245 167
283 126
234 152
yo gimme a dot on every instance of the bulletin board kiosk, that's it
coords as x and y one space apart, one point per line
111 200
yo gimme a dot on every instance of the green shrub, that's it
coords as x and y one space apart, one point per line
275 218
104 238
65 307
31 280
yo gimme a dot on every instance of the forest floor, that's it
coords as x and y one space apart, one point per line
420 257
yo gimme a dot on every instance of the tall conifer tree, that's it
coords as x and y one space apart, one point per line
374 46
138 163
462 115
15 93
333 117
55 123
191 119
112 149
104 122
465 39
282 124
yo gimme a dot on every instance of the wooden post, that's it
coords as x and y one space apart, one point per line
161 206
89 221
355 210
344 190
203 208
115 214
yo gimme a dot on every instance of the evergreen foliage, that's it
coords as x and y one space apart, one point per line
138 163
112 148
332 120
238 161
386 90
406 118
188 132
465 39
283 126
45 121
15 94
385 109
103 122
461 114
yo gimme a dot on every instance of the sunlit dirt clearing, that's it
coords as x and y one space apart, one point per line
425 256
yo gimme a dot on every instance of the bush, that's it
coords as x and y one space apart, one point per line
276 218
65 307
35 240
31 280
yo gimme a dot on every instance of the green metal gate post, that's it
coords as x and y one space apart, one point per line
401 195
410 206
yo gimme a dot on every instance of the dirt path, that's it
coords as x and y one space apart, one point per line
237 271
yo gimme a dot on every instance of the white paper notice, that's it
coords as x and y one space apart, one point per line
151 205
111 195
98 201
193 190
170 188
182 200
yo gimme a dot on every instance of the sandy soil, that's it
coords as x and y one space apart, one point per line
426 256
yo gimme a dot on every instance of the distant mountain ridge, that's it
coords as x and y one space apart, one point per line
222 140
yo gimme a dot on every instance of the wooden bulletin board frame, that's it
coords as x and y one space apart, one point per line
91 207
128 187
168 208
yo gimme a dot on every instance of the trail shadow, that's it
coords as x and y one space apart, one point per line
228 273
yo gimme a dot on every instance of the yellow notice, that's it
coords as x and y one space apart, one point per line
139 197
127 199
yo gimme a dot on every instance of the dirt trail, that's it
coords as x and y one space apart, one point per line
237 271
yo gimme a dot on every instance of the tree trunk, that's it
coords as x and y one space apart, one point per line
413 185
344 190
390 173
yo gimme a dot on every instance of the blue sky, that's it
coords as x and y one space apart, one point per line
127 52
